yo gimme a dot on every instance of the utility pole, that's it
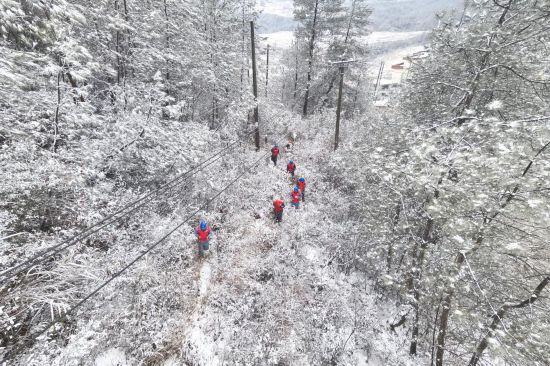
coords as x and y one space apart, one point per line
284 84
379 78
255 87
295 74
267 72
342 66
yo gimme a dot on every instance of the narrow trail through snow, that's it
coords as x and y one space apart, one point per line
246 250
260 274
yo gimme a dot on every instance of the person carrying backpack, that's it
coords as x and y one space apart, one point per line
302 186
203 237
274 154
278 206
296 194
291 168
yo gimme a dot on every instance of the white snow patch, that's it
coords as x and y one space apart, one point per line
362 358
312 254
112 357
205 273
281 39
514 247
494 105
172 361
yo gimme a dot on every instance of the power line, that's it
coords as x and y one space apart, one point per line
146 251
131 207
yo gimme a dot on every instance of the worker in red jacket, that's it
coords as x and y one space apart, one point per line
302 186
279 206
203 235
296 194
274 154
291 168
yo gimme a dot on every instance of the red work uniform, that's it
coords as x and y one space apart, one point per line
279 206
302 186
203 236
274 155
291 168
203 239
296 196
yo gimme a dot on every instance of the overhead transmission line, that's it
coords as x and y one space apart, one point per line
112 218
144 252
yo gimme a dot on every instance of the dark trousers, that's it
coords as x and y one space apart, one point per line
279 216
303 196
274 159
203 247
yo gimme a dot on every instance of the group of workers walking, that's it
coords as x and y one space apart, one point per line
298 192
202 231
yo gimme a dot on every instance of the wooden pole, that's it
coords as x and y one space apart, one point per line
295 73
267 72
379 77
339 108
255 87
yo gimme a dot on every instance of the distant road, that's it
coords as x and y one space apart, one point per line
389 47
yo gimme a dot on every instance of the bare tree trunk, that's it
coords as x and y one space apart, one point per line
497 319
329 89
433 332
468 98
459 260
267 72
444 321
356 96
346 40
296 73
74 85
117 49
427 238
350 20
56 120
395 221
310 60
466 104
167 40
126 55
243 31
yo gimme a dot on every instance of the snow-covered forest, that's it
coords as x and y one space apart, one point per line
424 235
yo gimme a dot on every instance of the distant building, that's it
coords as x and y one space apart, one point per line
399 66
392 77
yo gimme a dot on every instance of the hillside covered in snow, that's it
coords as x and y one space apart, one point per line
415 225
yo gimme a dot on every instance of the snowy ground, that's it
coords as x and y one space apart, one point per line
266 293
269 294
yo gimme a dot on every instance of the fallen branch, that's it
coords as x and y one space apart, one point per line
399 323
121 149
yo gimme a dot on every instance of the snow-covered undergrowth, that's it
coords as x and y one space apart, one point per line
266 293
277 295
